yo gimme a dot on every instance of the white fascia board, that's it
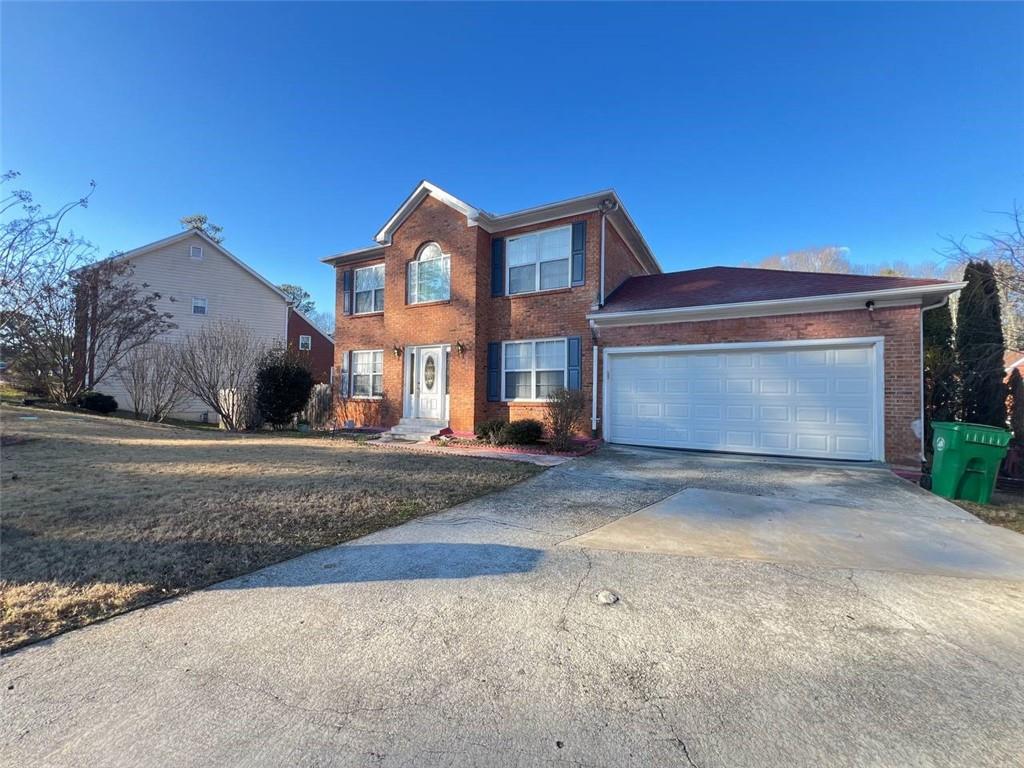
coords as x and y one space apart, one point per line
891 297
354 254
423 190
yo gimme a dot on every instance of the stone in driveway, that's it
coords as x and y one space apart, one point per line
939 540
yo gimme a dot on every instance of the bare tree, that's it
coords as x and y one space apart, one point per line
218 366
829 258
34 253
1004 249
77 329
151 375
323 320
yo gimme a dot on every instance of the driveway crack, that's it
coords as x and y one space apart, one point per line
562 624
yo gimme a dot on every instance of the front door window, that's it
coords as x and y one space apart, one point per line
428 397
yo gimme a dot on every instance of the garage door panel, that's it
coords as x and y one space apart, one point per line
804 402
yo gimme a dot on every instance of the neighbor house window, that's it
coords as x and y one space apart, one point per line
198 305
533 370
305 343
539 261
196 252
370 289
368 373
429 275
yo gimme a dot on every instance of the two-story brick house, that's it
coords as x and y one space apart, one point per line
458 315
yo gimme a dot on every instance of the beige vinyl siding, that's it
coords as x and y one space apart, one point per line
231 292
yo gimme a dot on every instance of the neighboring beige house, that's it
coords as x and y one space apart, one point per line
201 281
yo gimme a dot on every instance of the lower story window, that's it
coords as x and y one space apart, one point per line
305 342
533 370
368 373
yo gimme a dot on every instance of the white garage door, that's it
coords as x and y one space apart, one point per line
814 401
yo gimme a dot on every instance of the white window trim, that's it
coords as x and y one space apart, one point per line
352 375
536 282
419 260
192 252
355 293
206 306
533 369
308 340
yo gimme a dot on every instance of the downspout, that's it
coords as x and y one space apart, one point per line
607 206
944 302
600 295
593 390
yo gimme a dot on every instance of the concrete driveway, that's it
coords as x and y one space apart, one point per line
490 635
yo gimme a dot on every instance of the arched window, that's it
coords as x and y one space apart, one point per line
429 277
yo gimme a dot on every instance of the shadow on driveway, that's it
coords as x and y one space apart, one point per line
355 563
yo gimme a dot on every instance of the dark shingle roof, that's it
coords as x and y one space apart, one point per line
733 285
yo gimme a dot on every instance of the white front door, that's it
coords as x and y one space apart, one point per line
429 394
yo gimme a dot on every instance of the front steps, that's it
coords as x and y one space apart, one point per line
415 430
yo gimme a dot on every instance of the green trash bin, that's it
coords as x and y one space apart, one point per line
966 459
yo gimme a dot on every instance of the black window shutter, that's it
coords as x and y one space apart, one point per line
574 354
498 266
494 371
579 252
346 288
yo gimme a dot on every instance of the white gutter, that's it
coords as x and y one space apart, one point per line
892 296
593 392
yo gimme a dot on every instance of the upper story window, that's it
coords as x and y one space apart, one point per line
369 289
195 252
539 261
199 305
305 343
429 275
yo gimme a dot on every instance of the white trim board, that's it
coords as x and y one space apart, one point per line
878 366
838 302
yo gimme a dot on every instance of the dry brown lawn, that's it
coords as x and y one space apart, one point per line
1006 508
101 515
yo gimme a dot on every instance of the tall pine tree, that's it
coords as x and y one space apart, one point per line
980 347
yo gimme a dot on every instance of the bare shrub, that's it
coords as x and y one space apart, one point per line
564 414
151 375
218 366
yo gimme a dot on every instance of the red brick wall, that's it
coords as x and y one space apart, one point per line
619 261
320 355
900 327
402 325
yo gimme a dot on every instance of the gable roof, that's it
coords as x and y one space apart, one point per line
606 200
144 250
743 291
315 327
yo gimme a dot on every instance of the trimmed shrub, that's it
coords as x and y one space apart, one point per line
520 432
283 384
96 402
565 412
489 430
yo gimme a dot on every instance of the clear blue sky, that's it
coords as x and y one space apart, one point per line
731 132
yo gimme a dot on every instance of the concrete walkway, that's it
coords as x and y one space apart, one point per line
472 638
